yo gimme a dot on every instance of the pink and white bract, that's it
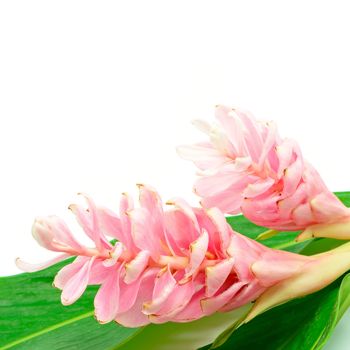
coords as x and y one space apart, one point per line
245 166
178 264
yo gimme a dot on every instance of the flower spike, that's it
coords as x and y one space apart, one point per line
245 166
174 264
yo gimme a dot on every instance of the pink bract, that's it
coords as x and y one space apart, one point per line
245 166
178 264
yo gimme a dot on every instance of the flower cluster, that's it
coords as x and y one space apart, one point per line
178 264
245 166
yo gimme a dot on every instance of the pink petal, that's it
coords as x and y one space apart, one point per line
198 249
68 271
248 293
134 317
107 298
228 201
216 275
88 220
98 272
223 231
193 310
110 224
303 215
262 211
173 245
128 294
272 163
203 155
287 205
259 187
181 226
176 302
28 267
253 138
126 205
135 267
150 200
202 125
242 163
221 142
207 186
180 230
164 285
213 304
233 127
52 233
185 208
292 177
43 233
313 181
63 234
269 142
238 248
284 153
97 236
178 299
143 235
115 254
206 223
77 283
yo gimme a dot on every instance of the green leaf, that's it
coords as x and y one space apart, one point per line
32 317
344 197
301 324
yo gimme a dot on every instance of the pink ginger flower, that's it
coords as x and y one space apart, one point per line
245 166
178 264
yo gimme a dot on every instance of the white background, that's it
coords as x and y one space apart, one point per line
95 95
